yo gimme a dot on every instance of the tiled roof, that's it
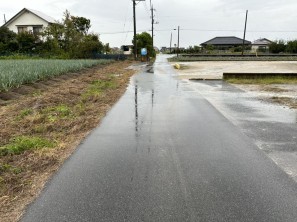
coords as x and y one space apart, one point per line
228 40
262 42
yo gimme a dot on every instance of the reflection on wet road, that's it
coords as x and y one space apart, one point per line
271 126
167 152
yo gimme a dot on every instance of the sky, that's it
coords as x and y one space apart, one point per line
199 20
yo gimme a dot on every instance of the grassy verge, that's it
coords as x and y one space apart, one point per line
264 81
39 130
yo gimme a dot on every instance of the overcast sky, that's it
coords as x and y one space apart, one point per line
199 20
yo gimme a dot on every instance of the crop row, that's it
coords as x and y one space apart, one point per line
14 73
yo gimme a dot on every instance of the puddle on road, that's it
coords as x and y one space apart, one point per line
273 127
240 105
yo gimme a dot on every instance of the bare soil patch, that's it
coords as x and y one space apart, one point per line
286 101
63 110
282 94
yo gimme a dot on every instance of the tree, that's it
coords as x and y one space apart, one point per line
277 47
81 24
27 42
106 48
292 46
6 35
89 46
70 38
8 41
144 40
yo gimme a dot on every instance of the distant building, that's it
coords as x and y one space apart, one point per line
225 43
261 45
127 49
28 20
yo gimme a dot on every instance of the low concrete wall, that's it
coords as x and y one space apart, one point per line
229 75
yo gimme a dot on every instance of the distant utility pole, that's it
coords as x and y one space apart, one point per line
153 22
4 19
134 18
243 43
178 41
170 41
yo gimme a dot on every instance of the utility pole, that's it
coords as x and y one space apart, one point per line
153 21
178 41
170 41
243 43
4 19
134 18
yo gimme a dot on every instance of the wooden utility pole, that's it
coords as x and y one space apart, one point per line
4 19
243 43
134 18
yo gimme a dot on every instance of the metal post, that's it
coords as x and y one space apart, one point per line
135 41
243 43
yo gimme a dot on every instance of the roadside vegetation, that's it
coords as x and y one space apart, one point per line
41 128
264 80
14 73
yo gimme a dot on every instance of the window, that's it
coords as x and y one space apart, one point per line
22 29
37 30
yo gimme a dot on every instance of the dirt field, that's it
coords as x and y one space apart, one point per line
62 111
215 70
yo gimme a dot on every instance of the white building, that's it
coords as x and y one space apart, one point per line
261 45
28 20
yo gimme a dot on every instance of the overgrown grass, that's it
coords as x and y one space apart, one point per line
264 81
14 73
20 144
97 87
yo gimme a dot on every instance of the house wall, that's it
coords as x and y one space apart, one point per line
256 48
27 19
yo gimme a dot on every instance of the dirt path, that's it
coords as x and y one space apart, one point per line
62 110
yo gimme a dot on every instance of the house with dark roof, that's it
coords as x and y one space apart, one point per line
29 20
261 45
225 42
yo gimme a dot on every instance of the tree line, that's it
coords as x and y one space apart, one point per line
281 46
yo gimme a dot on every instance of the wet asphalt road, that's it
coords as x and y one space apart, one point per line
166 154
